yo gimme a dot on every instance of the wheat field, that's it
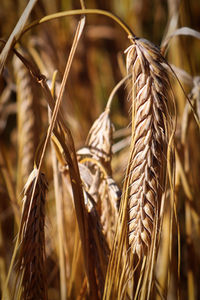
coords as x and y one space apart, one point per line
99 149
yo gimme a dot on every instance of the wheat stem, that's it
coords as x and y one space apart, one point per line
16 33
58 101
118 85
76 12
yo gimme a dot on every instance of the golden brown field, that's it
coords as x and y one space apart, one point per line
99 149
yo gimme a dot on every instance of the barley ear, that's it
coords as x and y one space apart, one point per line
145 179
96 156
28 125
31 254
149 143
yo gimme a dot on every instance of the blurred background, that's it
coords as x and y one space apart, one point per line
98 65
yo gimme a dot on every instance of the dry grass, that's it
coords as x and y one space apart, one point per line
120 217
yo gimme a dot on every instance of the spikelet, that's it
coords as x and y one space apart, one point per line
31 259
99 140
147 165
109 207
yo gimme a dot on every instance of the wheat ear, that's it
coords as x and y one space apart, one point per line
150 90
